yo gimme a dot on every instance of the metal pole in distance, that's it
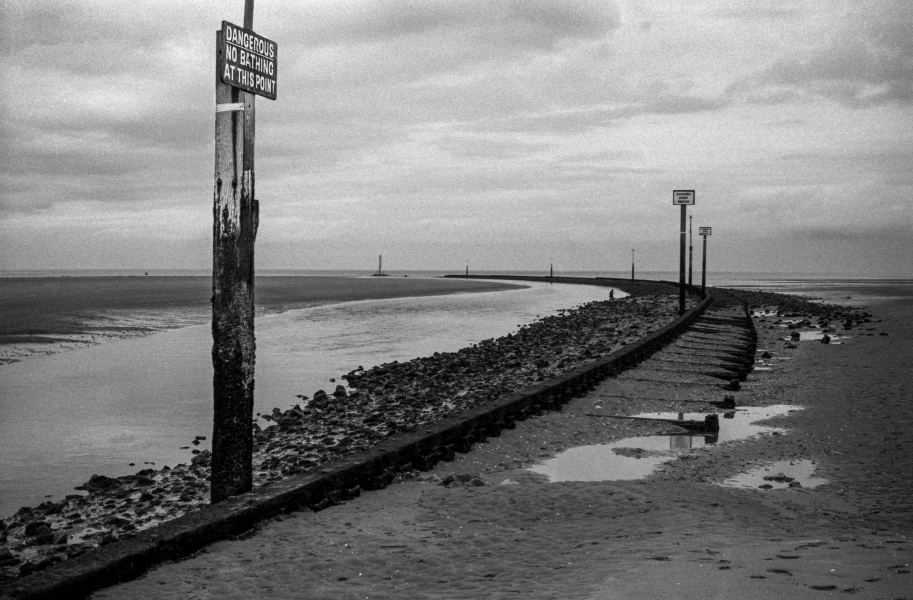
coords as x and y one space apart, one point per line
690 250
681 263
632 264
704 267
235 220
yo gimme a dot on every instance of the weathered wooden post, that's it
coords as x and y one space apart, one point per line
681 265
704 231
245 66
683 198
690 250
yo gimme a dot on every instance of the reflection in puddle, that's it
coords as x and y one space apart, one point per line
636 457
778 475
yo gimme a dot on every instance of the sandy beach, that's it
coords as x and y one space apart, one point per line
509 532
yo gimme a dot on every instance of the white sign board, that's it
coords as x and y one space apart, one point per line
704 230
683 197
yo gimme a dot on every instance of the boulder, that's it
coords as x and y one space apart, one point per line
43 535
32 527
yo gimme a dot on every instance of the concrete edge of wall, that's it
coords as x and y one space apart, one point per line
343 479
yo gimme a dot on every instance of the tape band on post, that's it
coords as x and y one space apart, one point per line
229 107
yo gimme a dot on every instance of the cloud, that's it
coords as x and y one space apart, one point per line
868 62
538 23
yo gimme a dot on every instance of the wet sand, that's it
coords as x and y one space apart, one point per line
677 534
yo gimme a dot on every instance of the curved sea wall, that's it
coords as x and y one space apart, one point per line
373 468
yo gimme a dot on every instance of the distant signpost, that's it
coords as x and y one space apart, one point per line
704 230
683 198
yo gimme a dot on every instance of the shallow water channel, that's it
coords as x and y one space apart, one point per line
638 457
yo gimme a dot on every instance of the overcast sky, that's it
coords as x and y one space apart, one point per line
503 133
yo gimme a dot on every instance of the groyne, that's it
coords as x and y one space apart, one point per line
371 469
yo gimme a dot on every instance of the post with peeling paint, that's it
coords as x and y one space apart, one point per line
235 219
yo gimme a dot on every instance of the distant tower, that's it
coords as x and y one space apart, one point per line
380 267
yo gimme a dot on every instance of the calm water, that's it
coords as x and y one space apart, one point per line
603 462
67 416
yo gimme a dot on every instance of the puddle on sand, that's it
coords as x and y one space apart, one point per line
637 457
778 475
817 336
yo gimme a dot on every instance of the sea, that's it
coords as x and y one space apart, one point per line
115 403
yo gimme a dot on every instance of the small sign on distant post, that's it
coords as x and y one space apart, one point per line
704 230
683 197
249 61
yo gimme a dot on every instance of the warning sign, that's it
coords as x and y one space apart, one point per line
683 197
248 61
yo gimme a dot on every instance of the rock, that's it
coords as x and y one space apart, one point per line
203 459
32 527
98 483
43 535
826 339
340 392
60 538
795 484
108 537
117 521
766 355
